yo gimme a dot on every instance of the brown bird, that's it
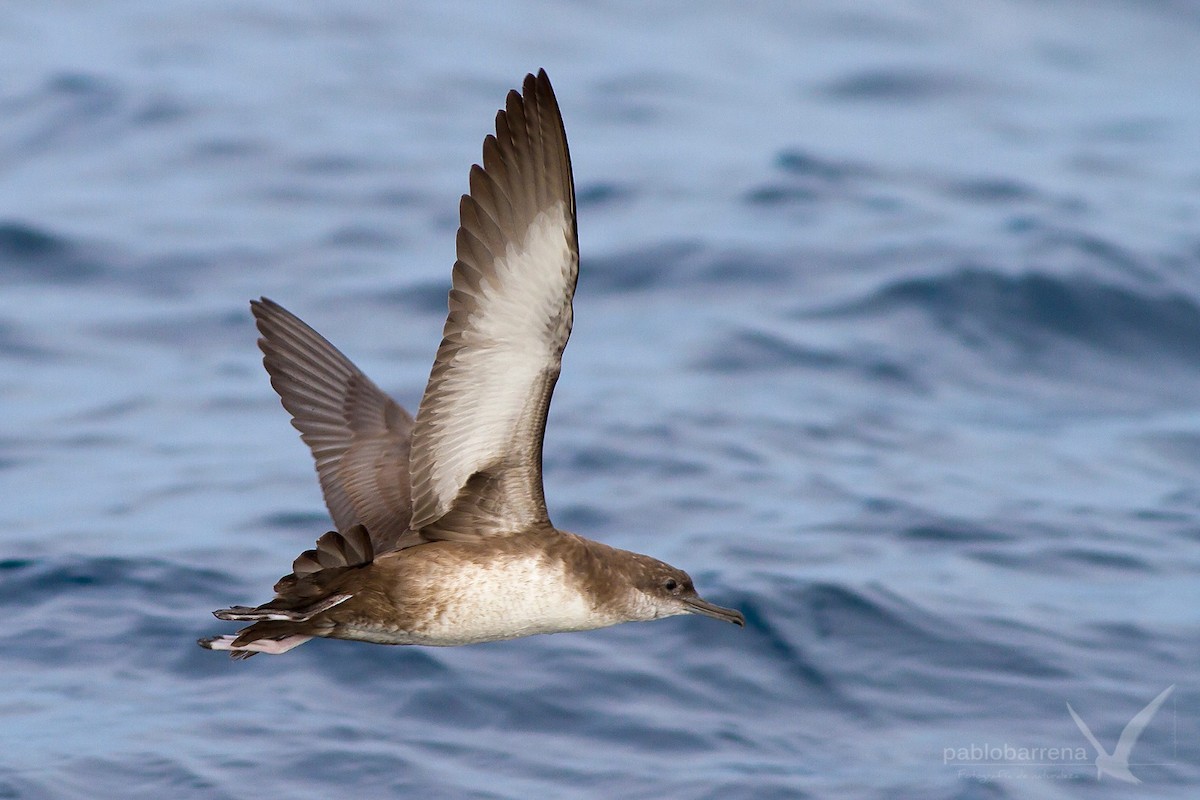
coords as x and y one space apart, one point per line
442 532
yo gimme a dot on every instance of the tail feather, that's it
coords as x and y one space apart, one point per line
271 612
350 549
239 652
314 587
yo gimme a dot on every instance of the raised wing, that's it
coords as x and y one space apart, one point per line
1087 732
477 444
1134 729
358 435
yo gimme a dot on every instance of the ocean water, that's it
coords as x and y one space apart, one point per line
887 329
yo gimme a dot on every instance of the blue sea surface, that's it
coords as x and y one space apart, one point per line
887 330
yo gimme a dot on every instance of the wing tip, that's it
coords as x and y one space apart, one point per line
538 80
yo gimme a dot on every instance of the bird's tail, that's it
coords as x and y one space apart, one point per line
293 616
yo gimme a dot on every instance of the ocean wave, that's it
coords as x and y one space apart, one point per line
675 264
30 253
900 85
756 350
1035 310
74 110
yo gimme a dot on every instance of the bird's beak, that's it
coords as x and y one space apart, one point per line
696 605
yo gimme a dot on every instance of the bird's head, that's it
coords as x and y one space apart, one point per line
664 591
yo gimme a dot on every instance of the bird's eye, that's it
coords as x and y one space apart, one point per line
671 585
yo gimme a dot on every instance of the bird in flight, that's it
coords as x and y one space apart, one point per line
1117 764
442 536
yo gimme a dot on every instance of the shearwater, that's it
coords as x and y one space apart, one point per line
442 532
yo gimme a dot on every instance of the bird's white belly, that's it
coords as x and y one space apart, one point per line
493 601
